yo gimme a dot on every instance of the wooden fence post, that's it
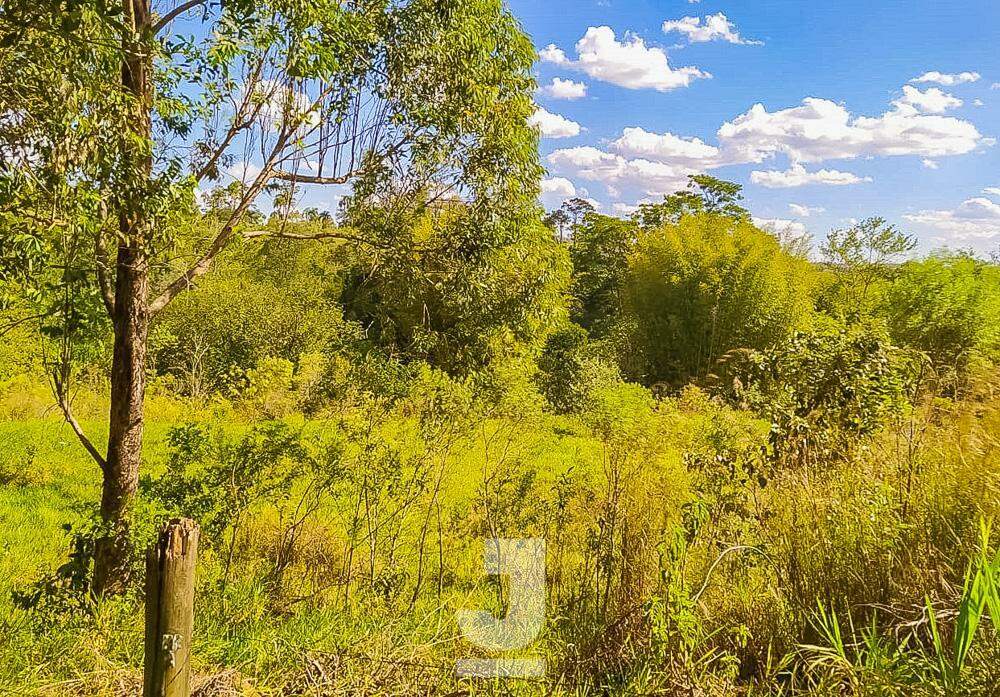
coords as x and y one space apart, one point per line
170 567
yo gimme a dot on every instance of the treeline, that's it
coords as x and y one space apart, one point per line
687 290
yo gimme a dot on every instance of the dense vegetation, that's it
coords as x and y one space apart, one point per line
759 468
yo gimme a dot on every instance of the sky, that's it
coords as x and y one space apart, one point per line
826 112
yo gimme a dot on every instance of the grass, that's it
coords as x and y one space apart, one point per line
639 504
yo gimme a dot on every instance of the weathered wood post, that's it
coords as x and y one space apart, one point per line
170 567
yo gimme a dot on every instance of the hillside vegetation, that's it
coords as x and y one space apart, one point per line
810 481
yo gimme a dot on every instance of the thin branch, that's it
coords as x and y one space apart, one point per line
14 324
175 13
296 178
101 258
62 398
221 241
346 237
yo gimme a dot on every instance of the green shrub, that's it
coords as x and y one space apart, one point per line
706 286
570 370
948 306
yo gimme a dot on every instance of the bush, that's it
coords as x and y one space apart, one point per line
947 306
570 370
825 391
706 286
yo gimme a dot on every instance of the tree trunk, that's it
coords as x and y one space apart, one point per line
130 316
128 388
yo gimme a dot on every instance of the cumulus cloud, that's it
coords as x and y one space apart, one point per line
804 211
948 79
929 164
559 186
627 63
992 190
624 210
816 131
245 172
781 228
665 147
821 130
975 219
715 27
553 125
931 101
615 171
564 89
797 175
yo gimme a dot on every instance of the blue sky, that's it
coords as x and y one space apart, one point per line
883 107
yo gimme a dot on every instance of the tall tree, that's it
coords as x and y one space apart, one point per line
111 121
704 194
861 256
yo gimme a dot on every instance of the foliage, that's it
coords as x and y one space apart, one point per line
704 194
600 256
431 298
570 370
825 390
947 306
706 286
861 257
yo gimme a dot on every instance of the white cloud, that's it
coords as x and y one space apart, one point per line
821 130
715 27
929 164
992 190
948 79
978 102
804 211
975 219
781 228
245 172
624 210
640 162
553 125
628 63
558 186
931 101
666 147
564 89
282 104
797 175
553 54
615 171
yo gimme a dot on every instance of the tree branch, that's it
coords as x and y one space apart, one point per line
101 255
221 241
62 398
175 13
346 237
14 324
296 178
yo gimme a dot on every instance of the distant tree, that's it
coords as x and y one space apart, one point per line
578 209
600 252
705 194
948 307
559 221
111 121
426 299
707 285
569 216
860 257
570 370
